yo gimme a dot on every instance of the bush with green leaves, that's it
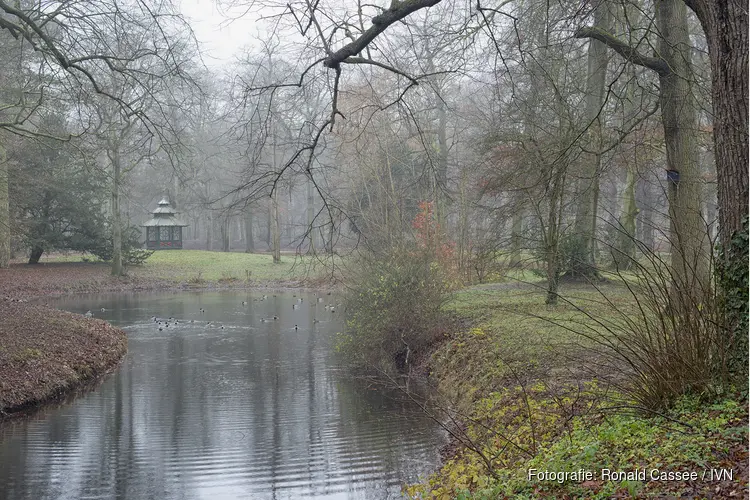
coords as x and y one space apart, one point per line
394 304
133 252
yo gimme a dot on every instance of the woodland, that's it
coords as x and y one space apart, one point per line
436 158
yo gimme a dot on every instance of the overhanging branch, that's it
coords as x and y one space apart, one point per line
631 54
396 12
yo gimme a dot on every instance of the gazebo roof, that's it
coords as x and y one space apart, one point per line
164 208
164 221
164 215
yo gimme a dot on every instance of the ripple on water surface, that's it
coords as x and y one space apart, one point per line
233 404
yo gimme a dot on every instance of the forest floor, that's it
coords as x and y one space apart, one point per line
529 392
46 354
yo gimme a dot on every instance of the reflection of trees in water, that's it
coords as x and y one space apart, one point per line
254 411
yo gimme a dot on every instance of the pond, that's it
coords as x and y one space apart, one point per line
225 402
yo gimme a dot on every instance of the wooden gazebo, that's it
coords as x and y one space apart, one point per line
164 229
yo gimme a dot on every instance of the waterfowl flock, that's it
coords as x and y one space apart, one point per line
163 323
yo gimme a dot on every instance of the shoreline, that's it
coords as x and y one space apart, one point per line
47 355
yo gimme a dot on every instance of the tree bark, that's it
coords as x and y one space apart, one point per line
688 233
624 253
310 214
4 212
276 230
269 224
583 260
225 236
725 23
116 217
249 240
36 254
516 229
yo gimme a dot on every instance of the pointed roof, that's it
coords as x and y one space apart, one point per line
164 215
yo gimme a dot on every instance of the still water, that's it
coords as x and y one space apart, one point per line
227 403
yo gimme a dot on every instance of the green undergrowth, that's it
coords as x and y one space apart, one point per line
532 393
693 437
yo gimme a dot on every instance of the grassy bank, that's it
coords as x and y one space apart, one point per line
525 391
45 354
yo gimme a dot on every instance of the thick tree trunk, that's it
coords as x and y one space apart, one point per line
725 23
646 218
269 225
36 254
4 212
210 231
688 232
583 261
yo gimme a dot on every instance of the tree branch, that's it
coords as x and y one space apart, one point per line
396 12
631 54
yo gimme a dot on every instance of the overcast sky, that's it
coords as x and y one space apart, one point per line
221 35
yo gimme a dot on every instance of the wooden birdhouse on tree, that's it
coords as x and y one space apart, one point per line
164 229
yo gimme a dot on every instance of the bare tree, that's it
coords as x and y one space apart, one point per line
72 38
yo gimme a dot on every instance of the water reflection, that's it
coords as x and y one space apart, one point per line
226 403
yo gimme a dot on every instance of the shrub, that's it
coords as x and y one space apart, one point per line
132 251
672 342
394 305
394 299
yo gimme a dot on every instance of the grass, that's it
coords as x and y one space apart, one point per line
199 267
531 394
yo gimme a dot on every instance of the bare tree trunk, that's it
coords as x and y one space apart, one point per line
224 229
249 240
4 211
725 23
624 252
646 218
36 253
516 229
441 201
583 261
310 214
269 224
688 232
276 230
210 231
552 238
464 248
116 216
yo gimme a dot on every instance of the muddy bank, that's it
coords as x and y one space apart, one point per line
46 354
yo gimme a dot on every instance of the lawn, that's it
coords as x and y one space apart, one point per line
197 267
